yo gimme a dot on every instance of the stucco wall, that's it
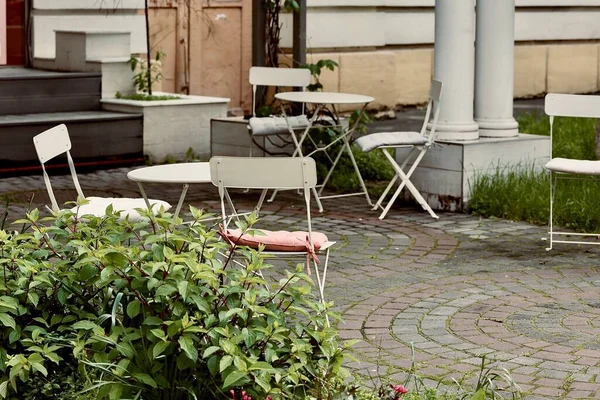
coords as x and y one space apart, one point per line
385 47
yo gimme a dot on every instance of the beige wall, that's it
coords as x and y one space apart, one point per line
402 77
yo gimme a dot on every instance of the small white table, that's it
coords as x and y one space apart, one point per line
323 99
183 173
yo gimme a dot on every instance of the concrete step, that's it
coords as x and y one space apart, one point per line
32 91
100 137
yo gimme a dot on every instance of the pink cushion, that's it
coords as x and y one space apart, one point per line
275 240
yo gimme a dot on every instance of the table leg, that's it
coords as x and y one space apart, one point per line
181 198
144 195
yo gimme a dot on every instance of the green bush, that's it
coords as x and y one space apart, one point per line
154 312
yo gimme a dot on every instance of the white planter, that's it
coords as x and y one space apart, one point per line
171 127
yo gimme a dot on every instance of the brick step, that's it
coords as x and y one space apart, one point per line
99 138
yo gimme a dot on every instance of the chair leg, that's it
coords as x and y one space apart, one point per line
360 179
550 225
321 282
385 192
405 181
393 180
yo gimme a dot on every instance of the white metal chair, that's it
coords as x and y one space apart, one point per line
569 105
273 173
282 127
418 142
54 142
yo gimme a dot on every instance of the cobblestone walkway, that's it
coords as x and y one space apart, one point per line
457 288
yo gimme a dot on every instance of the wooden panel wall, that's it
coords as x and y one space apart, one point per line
208 47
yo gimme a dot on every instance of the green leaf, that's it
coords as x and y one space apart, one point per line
133 308
126 350
33 298
146 379
159 348
159 333
479 395
14 336
87 271
210 351
183 289
7 320
234 378
187 345
153 321
8 302
84 325
165 290
39 367
225 362
213 365
4 389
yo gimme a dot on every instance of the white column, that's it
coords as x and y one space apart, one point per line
454 65
494 68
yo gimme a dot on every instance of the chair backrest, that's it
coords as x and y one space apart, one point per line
50 144
285 77
572 105
263 173
435 94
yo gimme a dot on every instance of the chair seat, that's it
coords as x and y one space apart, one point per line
126 206
276 240
375 140
570 166
266 126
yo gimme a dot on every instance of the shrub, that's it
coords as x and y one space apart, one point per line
155 312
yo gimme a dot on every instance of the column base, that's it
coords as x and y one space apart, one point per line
498 128
462 130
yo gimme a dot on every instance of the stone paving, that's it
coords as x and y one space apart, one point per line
458 288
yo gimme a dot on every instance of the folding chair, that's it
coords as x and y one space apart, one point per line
418 142
569 105
54 142
281 127
273 173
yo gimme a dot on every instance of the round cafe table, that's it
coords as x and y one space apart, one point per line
183 173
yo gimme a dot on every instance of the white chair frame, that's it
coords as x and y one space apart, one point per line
270 173
414 156
56 141
569 105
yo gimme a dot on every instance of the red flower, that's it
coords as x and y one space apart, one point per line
399 389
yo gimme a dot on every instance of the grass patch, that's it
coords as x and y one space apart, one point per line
146 97
523 194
